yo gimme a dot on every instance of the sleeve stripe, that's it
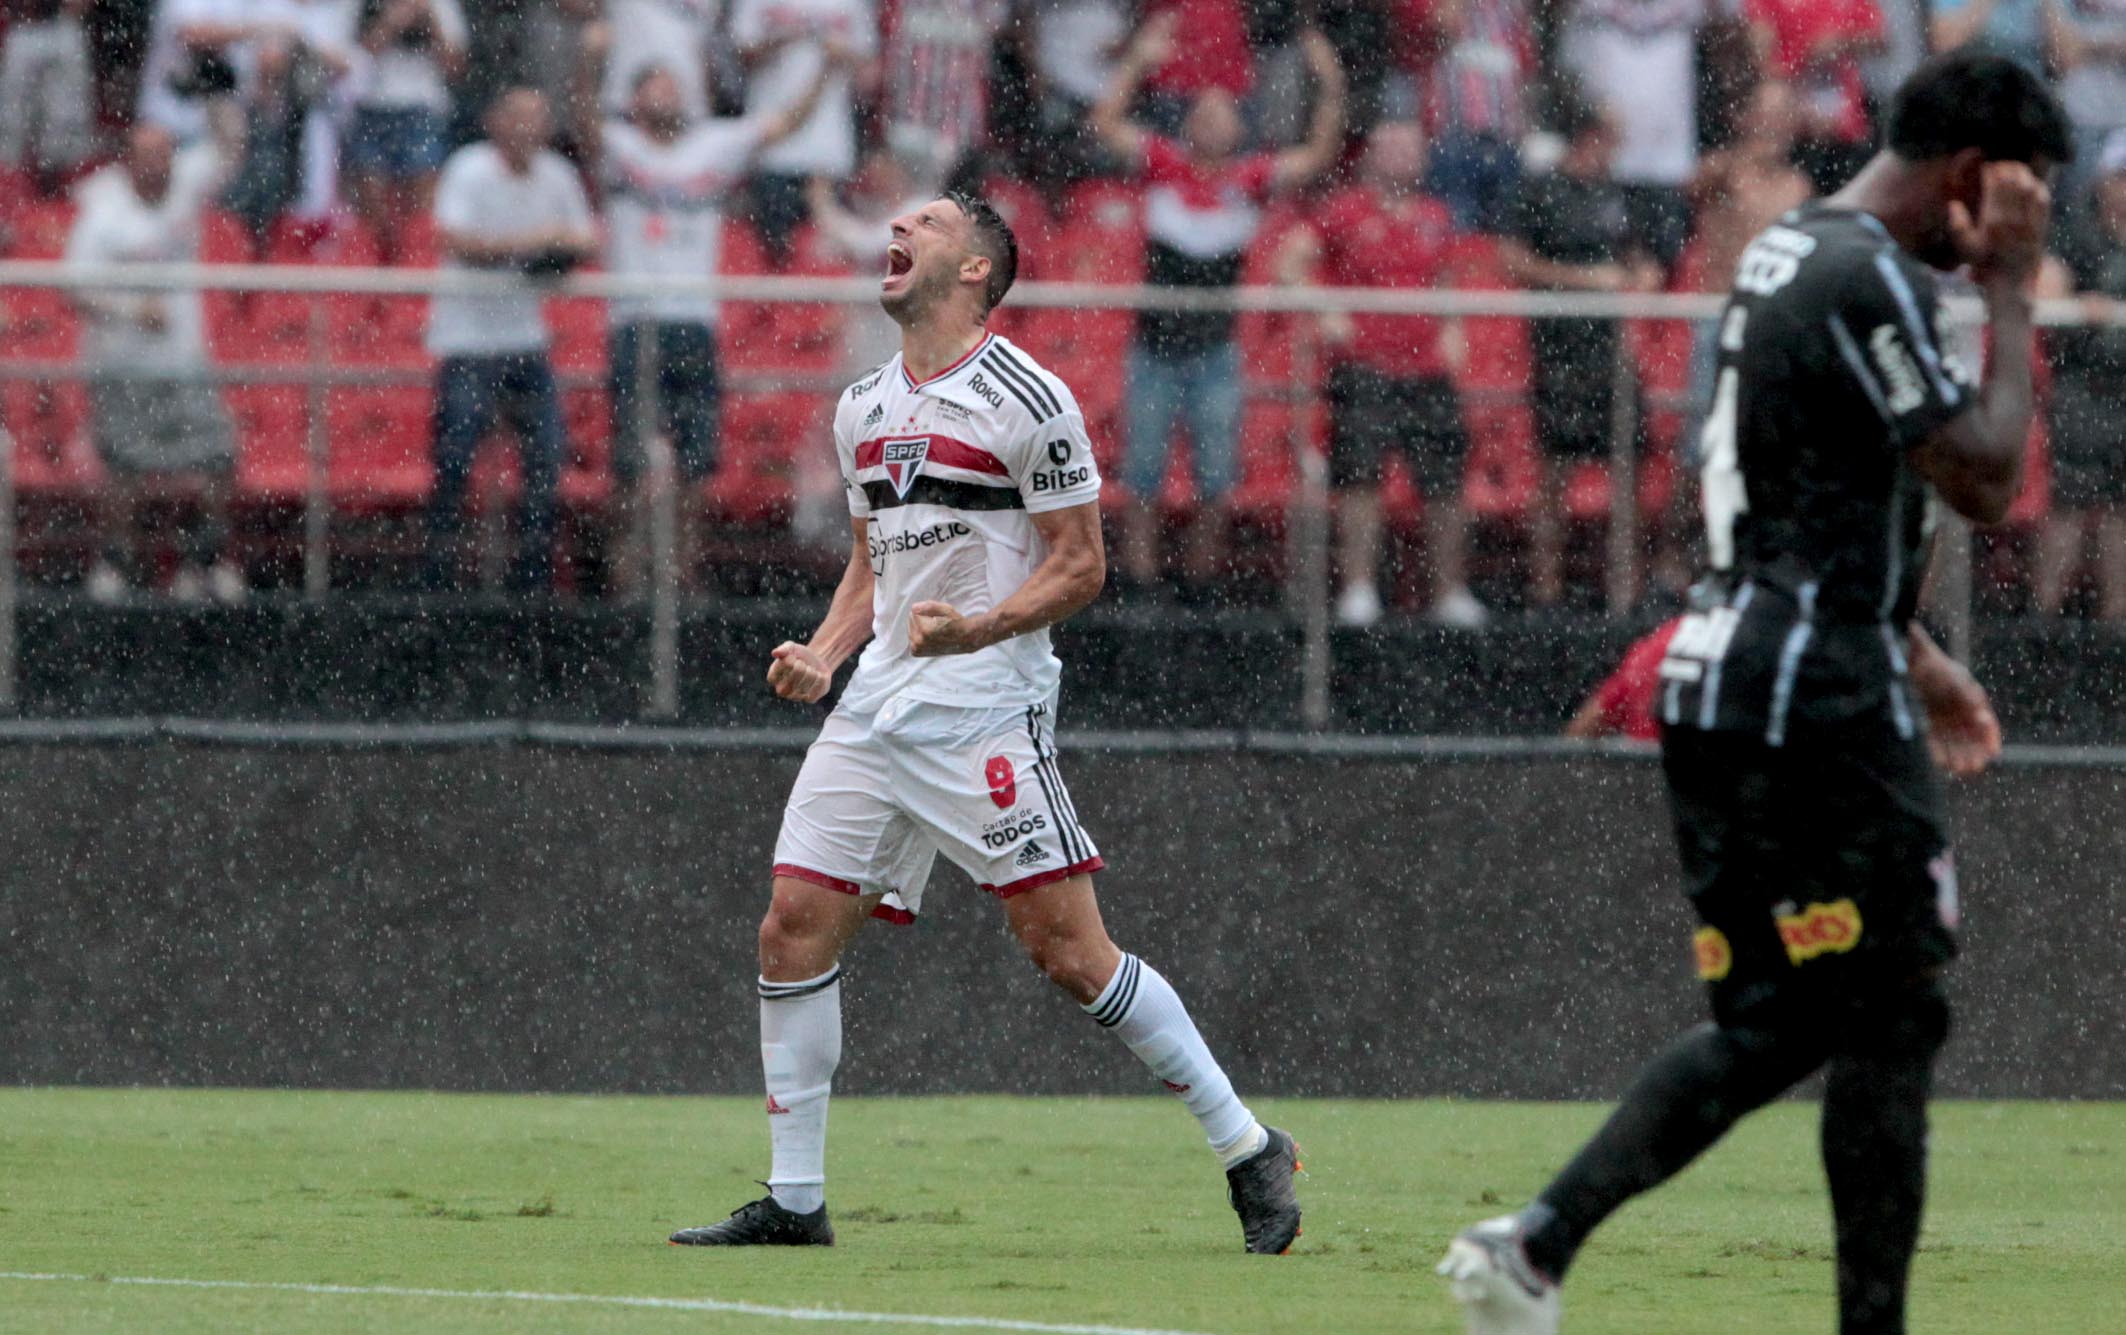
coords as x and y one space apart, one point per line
1849 349
1005 379
1921 338
1002 359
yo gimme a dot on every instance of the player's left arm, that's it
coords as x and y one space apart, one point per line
1962 731
1068 579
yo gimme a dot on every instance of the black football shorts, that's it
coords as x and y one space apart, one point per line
1819 869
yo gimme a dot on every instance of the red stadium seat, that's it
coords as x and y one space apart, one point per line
49 423
760 438
577 328
272 440
380 446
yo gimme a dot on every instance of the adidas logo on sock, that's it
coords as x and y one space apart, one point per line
775 1106
1030 855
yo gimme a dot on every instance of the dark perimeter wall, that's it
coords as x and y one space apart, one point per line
581 918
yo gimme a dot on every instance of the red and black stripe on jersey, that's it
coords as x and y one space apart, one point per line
927 488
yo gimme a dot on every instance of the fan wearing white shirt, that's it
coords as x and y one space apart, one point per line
783 44
507 203
154 409
665 174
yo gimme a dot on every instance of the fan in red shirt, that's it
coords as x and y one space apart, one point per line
1623 705
1817 45
1391 377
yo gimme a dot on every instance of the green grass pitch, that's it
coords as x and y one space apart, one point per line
1040 1210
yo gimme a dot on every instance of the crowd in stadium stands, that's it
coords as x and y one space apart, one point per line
1571 145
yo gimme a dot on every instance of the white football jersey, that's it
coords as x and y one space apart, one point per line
949 472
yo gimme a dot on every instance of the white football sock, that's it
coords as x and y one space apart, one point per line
1144 1010
800 1045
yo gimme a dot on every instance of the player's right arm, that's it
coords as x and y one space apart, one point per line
803 672
1975 459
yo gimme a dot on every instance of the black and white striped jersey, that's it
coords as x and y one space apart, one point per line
1832 366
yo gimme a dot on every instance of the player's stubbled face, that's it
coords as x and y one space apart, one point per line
923 259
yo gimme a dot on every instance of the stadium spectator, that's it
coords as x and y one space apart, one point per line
1742 189
509 203
47 94
202 64
1391 384
1817 46
1639 60
1209 50
155 411
401 126
1571 230
665 175
2012 28
1068 49
1472 93
1623 705
938 55
1739 191
550 58
673 35
2088 48
784 45
1203 204
2089 401
1362 33
1905 42
302 62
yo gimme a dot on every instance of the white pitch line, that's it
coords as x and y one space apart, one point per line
828 1314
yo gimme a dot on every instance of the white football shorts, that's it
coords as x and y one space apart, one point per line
880 795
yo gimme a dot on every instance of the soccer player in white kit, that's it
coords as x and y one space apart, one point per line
974 504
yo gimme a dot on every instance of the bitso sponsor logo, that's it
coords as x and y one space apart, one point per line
1715 957
1059 452
1062 479
1819 929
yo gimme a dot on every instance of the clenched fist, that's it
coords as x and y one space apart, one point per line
797 673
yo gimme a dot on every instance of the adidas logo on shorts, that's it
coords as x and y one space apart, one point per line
1030 855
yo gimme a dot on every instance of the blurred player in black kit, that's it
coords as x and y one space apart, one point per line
1800 698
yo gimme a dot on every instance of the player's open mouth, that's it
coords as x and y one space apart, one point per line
898 261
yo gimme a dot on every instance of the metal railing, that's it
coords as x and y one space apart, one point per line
1308 527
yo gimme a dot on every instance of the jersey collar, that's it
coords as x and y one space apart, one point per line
977 350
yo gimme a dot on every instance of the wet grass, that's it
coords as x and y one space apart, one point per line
1044 1210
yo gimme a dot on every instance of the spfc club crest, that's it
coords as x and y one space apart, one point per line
903 460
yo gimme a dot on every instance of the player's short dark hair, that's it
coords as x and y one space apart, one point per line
1972 99
992 239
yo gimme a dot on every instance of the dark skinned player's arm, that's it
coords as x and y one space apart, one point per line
1975 460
